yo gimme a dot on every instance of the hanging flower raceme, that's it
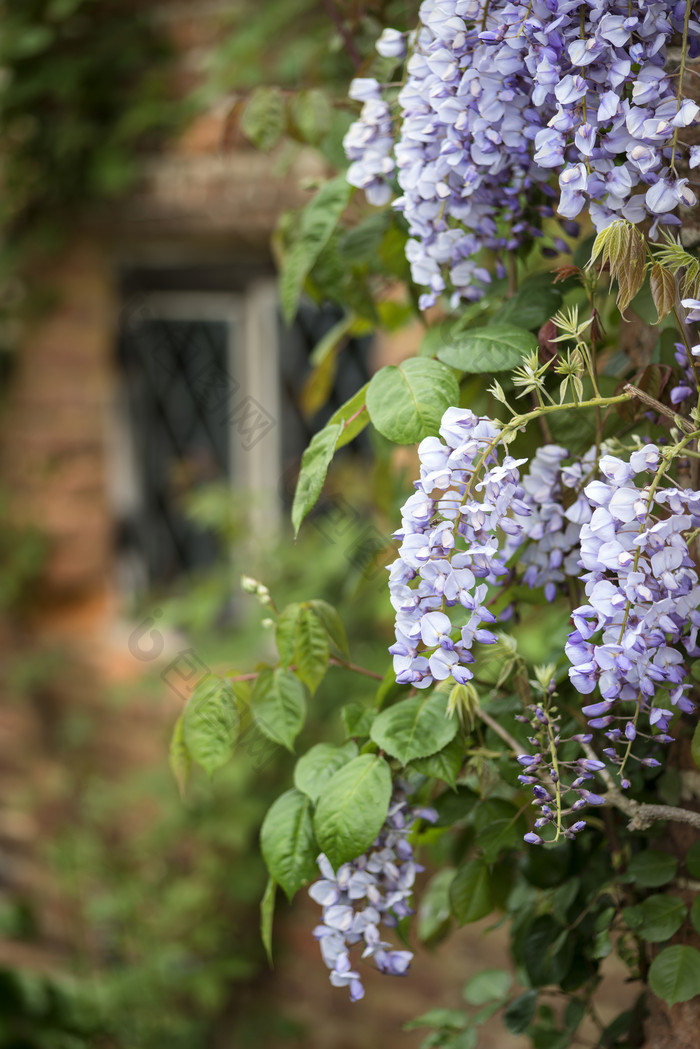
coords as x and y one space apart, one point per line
643 597
501 96
450 548
373 890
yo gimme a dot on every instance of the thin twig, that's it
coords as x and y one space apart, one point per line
334 15
357 670
679 420
505 736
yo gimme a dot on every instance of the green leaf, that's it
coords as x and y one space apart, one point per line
657 918
312 650
445 765
286 633
470 892
496 348
531 306
547 951
352 808
264 118
311 112
406 402
332 624
498 836
695 746
287 841
692 860
487 986
179 757
652 868
414 728
267 914
434 910
318 765
675 974
279 706
210 723
357 719
318 220
314 467
454 1019
520 1013
695 914
354 409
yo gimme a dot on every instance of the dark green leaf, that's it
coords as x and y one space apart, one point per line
406 402
498 836
352 808
445 765
210 723
470 892
318 765
547 954
657 918
675 974
279 706
414 728
314 467
652 868
531 306
455 806
519 1014
495 348
287 841
692 860
695 913
434 907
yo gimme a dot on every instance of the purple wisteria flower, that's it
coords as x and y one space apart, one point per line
450 549
373 890
501 97
643 600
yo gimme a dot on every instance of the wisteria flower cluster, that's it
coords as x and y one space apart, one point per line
373 890
643 596
450 549
502 95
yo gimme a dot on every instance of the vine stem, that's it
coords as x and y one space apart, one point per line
335 17
641 814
